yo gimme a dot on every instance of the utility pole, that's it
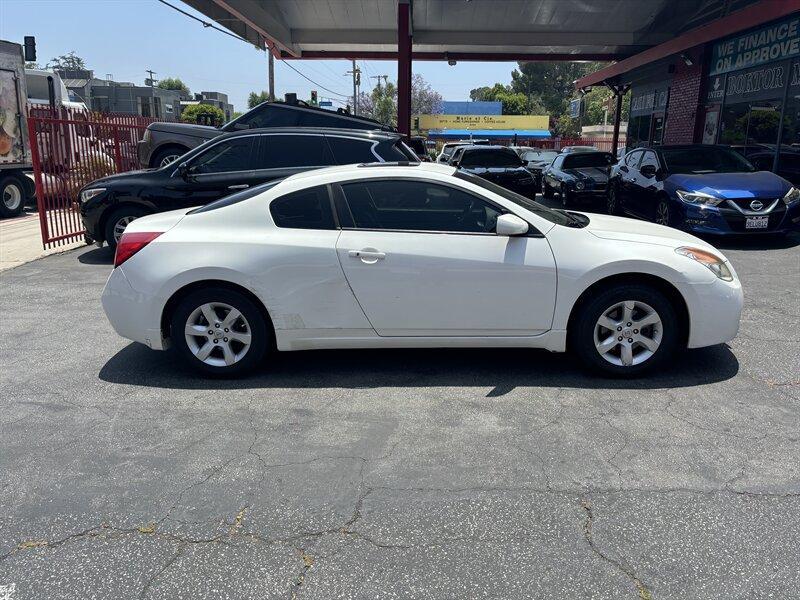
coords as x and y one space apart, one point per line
151 79
356 73
379 77
271 60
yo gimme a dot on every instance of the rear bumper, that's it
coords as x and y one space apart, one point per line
130 312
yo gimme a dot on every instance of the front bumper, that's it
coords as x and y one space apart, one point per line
130 312
727 221
715 310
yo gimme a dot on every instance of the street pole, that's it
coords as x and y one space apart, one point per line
271 75
355 91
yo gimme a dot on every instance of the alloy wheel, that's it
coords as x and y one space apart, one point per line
169 158
217 334
611 201
662 213
12 197
628 333
120 225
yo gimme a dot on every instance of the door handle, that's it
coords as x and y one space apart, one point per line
241 186
368 256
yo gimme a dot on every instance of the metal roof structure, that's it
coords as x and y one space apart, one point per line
463 29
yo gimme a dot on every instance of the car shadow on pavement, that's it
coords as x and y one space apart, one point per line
98 256
502 370
758 242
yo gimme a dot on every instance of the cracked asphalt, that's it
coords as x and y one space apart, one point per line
395 474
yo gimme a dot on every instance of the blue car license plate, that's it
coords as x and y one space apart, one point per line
756 222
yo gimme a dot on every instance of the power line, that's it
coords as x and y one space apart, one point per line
241 39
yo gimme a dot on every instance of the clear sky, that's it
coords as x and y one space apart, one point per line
126 37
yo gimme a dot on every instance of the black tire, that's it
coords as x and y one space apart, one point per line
546 191
566 197
664 212
612 199
120 214
159 156
581 336
260 331
13 195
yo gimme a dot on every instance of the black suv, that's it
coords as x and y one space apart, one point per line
498 164
164 143
221 166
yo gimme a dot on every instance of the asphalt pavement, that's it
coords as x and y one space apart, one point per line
394 474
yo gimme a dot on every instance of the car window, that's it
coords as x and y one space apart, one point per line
352 151
704 159
226 156
649 159
580 160
490 158
418 206
557 161
268 115
284 151
304 209
632 159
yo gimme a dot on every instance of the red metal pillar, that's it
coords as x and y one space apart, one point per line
617 118
404 67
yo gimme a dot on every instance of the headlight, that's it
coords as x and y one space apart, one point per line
698 198
579 185
87 195
793 195
707 259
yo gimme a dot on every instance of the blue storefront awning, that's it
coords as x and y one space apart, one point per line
465 134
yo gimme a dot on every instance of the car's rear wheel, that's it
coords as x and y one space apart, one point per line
166 156
625 330
219 331
118 221
12 196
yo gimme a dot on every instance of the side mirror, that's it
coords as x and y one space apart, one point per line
183 170
648 171
510 225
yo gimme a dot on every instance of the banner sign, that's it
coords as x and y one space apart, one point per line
484 121
648 100
575 108
773 42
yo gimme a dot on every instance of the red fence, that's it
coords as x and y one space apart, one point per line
70 149
559 143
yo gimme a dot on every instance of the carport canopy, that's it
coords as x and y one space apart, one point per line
484 30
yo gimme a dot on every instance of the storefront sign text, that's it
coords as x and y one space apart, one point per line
768 44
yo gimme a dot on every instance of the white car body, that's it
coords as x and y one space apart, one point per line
431 289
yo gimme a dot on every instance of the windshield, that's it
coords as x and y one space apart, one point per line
539 156
588 159
490 158
559 217
705 159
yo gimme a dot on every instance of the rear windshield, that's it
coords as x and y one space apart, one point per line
237 197
581 160
490 158
705 159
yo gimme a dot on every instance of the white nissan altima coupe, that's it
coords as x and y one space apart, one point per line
413 255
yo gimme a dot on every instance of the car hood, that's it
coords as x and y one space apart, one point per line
596 174
633 230
199 131
125 179
761 184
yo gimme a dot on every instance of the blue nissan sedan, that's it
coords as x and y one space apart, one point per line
702 188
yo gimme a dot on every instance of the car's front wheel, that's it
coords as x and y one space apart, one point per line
566 197
625 330
663 213
546 191
219 331
612 199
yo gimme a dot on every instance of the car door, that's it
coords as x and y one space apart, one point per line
223 168
422 259
644 187
284 154
627 179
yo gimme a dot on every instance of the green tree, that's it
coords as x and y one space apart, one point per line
66 61
202 113
551 82
256 98
514 103
33 65
174 83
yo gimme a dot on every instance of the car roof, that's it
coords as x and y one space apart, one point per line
368 134
388 168
480 147
301 105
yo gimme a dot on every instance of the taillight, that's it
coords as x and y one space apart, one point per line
130 243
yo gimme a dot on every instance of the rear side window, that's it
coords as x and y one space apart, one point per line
304 209
270 115
284 151
348 151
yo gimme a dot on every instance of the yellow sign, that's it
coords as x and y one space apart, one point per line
484 121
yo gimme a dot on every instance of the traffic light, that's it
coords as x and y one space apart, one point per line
314 97
30 48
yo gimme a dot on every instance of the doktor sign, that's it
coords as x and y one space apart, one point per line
777 41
